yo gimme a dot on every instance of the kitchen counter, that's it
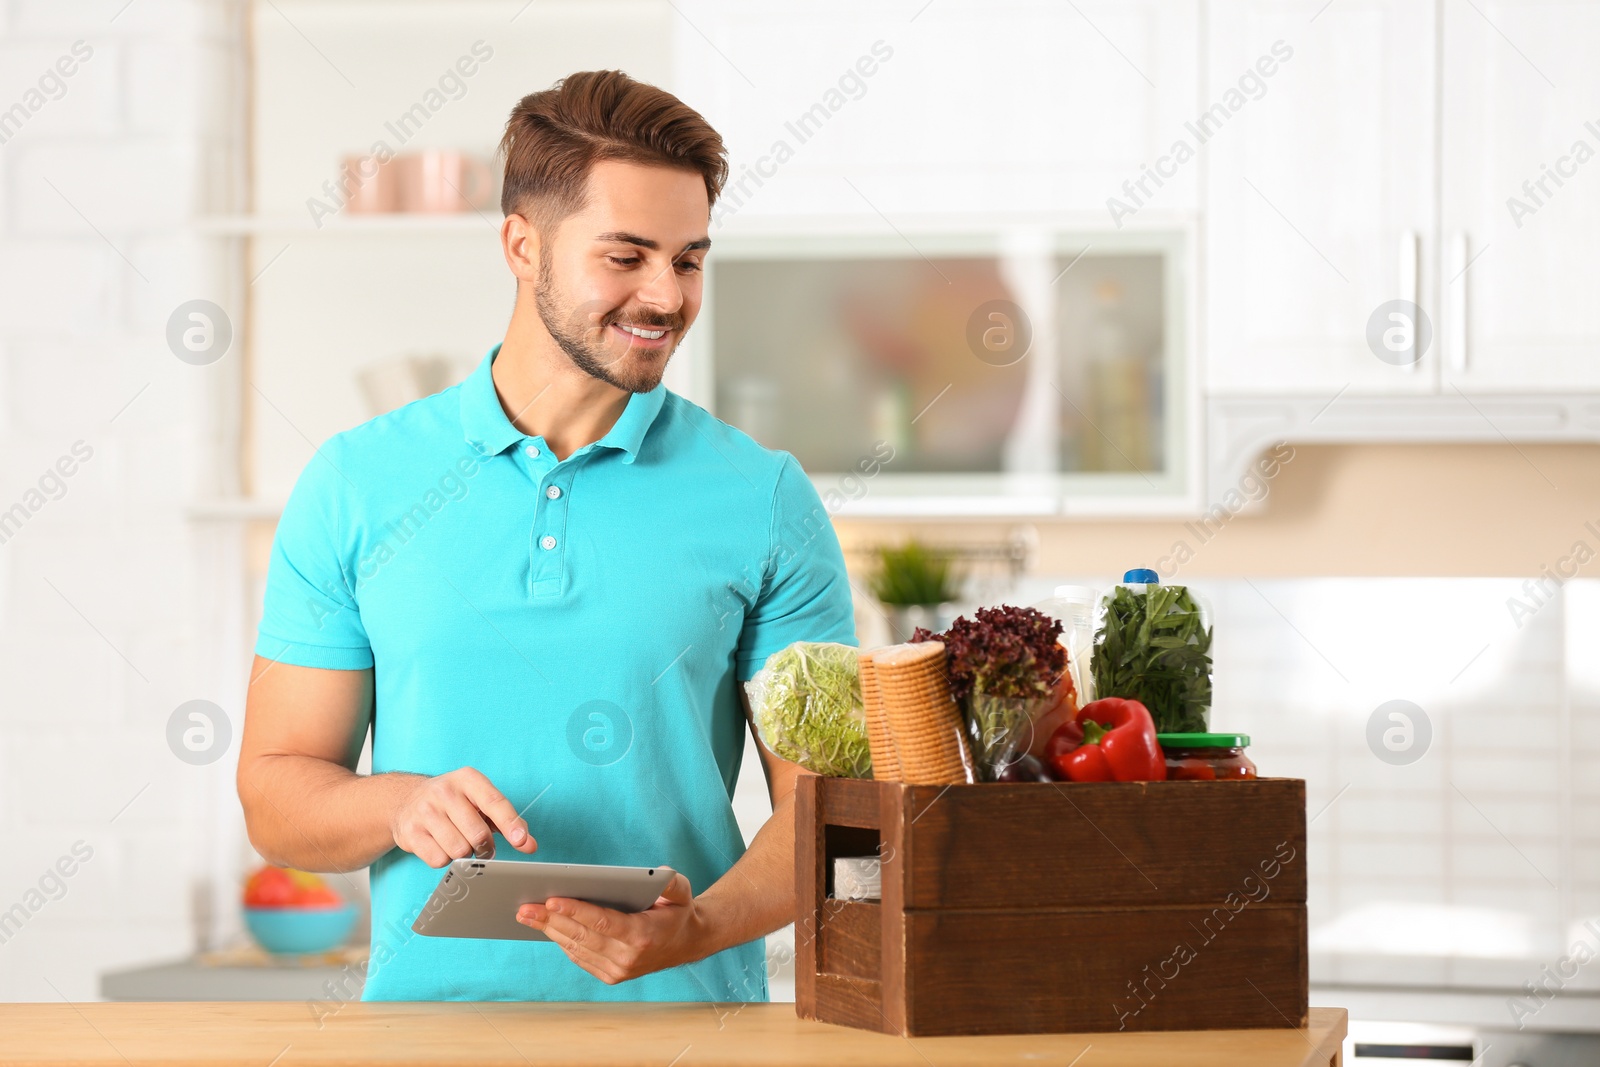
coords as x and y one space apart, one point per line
240 976
640 1035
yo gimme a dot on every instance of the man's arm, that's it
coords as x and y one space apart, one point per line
306 807
755 897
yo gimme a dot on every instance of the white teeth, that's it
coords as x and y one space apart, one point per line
651 335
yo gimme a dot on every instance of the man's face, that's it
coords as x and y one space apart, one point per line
632 258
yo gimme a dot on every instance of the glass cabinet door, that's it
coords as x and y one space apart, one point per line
1025 366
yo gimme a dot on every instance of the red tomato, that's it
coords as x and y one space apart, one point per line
270 887
282 887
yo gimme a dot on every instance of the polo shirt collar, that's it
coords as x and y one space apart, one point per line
487 428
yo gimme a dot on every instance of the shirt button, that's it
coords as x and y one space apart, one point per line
553 492
547 542
532 451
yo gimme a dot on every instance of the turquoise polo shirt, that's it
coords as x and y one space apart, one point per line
575 630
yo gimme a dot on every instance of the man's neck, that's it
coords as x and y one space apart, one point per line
544 395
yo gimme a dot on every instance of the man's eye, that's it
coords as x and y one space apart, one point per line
624 262
689 265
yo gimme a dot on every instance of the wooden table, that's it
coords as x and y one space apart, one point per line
639 1035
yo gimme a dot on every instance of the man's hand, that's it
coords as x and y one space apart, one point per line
615 946
454 816
754 897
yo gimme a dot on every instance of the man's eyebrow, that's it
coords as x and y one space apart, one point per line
622 237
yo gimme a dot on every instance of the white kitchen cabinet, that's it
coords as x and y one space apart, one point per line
963 106
1521 196
1320 196
957 368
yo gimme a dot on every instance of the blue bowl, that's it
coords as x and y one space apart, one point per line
294 931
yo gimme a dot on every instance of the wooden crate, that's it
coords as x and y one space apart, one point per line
1038 908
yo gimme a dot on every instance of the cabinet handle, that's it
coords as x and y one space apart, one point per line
1409 241
1455 301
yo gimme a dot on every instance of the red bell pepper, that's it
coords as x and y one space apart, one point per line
1111 740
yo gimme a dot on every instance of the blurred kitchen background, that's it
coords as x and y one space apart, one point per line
1292 301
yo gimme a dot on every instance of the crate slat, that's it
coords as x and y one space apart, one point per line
1103 843
1103 970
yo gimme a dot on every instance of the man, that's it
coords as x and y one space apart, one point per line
543 589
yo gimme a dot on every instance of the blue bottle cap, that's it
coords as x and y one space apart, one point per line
1141 576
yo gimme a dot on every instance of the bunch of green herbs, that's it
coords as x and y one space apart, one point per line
1153 648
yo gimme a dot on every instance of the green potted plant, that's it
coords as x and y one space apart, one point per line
916 586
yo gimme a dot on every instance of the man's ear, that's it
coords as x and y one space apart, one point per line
519 241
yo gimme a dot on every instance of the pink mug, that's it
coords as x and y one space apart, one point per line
369 187
443 182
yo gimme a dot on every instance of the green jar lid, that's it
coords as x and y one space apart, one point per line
1203 740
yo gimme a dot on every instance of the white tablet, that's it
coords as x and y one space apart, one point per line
480 898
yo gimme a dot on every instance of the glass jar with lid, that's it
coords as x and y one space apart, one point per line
1206 757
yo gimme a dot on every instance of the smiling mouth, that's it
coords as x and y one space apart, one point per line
643 336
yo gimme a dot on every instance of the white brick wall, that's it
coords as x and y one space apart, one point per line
113 604
1460 868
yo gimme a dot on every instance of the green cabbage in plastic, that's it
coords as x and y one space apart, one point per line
806 702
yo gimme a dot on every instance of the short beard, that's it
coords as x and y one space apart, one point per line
584 342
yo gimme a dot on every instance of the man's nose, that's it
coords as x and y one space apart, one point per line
662 293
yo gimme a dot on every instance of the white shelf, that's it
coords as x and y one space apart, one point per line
1086 227
248 225
233 509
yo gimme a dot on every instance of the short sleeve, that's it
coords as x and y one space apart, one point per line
309 615
805 591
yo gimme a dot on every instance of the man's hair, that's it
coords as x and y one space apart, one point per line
556 135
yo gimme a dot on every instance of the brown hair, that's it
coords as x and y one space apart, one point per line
555 136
